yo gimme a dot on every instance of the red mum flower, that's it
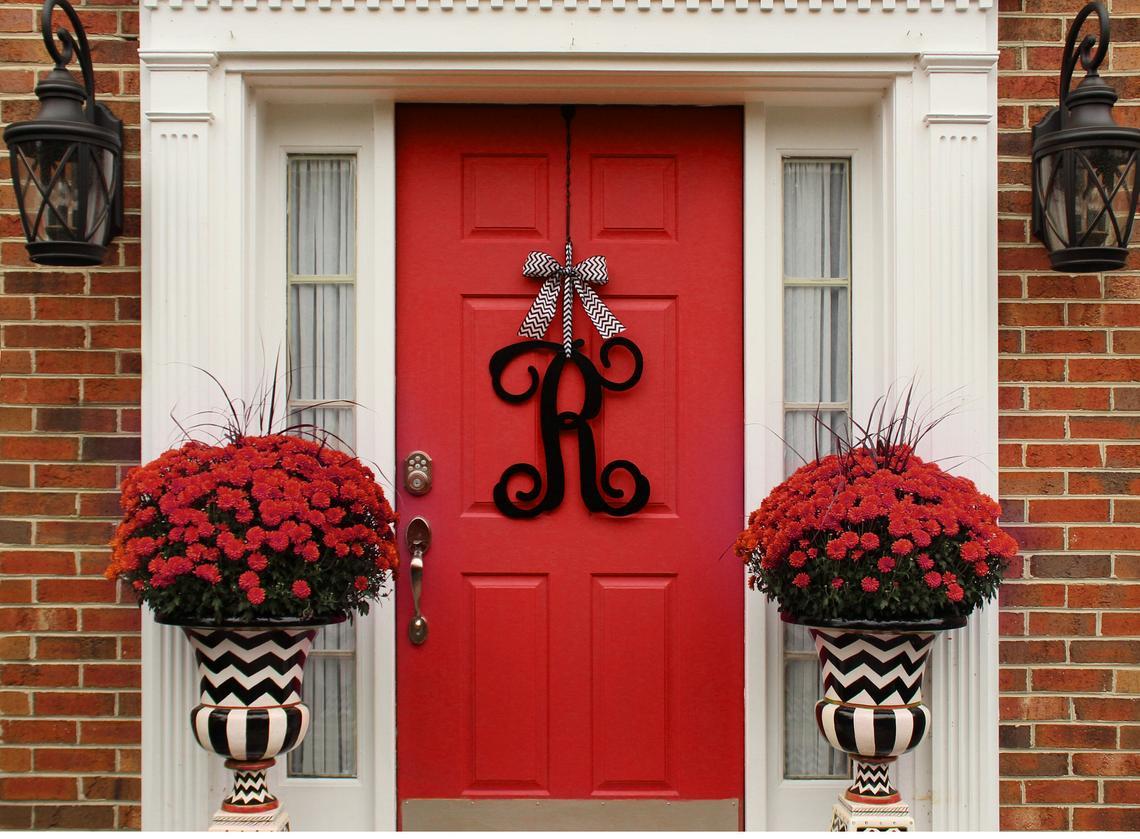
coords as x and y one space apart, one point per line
981 569
973 552
301 589
886 564
256 595
869 541
278 540
248 580
924 562
932 579
360 583
801 580
209 573
955 593
870 585
796 559
179 565
901 547
257 562
837 582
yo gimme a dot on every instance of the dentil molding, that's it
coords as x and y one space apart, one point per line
586 6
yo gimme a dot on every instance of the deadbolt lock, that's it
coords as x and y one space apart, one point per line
417 473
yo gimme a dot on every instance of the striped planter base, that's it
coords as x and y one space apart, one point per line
872 710
250 708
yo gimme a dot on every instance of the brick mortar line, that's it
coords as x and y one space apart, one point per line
73 718
50 323
77 461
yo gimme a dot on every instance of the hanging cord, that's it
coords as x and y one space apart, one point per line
567 117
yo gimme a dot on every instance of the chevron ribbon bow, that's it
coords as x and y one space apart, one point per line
566 281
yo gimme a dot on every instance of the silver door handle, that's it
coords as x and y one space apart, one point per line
418 538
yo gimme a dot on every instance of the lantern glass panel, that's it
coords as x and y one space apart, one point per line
1088 195
66 190
101 176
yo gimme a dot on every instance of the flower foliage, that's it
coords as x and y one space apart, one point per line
875 533
260 527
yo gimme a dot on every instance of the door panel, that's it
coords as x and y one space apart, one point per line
575 655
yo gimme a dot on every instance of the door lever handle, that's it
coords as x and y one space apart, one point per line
418 538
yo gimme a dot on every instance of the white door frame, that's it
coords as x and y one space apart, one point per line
208 76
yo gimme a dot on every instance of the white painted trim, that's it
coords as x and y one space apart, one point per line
760 344
803 133
574 37
208 76
178 60
960 169
384 184
957 119
282 130
587 6
958 62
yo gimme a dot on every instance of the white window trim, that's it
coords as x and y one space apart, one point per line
283 131
201 153
803 134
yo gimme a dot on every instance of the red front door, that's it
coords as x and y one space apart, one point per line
574 655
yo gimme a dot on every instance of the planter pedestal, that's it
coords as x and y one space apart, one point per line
871 803
872 710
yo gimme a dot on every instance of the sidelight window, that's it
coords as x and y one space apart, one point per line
817 382
321 290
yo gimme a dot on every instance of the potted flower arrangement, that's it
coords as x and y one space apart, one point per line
251 543
875 550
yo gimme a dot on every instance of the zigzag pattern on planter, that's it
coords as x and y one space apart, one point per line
250 789
261 671
864 670
872 779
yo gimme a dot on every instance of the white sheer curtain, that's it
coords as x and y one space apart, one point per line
322 366
817 374
322 216
816 219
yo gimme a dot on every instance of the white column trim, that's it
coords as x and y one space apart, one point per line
184 323
959 349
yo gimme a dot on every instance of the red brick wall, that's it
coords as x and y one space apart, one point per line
69 419
1070 456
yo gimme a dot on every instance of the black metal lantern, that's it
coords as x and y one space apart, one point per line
1084 164
67 162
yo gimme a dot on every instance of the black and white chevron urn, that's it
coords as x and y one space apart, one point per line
250 711
872 710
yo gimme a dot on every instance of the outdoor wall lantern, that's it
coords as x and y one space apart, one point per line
67 162
1084 164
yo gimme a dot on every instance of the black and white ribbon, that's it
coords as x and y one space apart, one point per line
567 280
